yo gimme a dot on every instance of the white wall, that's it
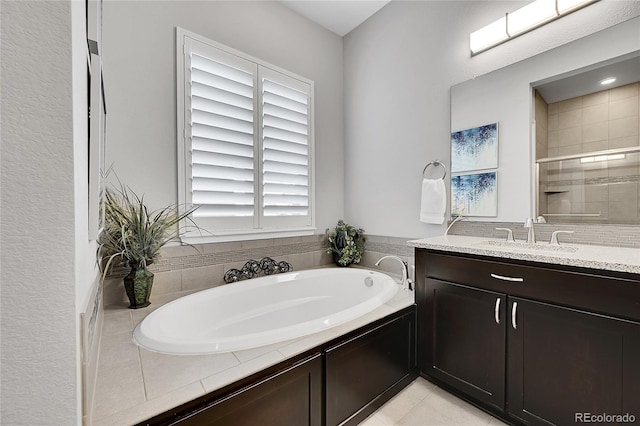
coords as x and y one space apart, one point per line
399 66
41 232
139 66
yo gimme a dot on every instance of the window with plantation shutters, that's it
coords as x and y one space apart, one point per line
245 143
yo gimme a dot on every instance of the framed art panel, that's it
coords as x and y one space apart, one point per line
475 149
475 194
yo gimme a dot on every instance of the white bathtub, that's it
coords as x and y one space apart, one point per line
263 310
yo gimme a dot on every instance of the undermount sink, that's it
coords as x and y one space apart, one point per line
520 245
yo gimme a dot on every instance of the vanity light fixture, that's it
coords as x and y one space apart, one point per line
608 80
527 18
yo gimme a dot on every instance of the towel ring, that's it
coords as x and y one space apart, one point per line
436 164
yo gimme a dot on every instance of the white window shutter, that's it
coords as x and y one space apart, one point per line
222 98
245 135
286 162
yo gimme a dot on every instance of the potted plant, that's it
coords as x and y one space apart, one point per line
346 244
133 236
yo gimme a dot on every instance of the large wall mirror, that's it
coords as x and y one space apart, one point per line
564 153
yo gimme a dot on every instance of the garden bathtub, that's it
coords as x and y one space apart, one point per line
264 310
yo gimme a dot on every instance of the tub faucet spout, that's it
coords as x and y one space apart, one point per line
405 281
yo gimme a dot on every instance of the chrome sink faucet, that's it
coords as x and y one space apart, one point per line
509 234
554 237
405 281
531 236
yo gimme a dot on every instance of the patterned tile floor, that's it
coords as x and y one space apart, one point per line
424 404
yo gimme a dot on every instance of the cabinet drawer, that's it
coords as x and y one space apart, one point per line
585 289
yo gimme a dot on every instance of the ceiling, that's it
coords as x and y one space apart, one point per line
339 16
588 81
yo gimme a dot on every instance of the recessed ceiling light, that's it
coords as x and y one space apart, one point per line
608 80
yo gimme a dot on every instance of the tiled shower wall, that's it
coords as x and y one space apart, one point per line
185 268
595 122
595 192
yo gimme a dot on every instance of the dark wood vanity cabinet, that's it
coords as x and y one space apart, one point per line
292 396
535 345
339 382
467 346
563 361
363 372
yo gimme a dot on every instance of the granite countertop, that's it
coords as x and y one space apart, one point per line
134 384
619 259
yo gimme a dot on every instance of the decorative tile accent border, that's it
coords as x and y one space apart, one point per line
388 245
603 235
186 257
595 181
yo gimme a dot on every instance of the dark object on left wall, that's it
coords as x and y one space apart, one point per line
253 269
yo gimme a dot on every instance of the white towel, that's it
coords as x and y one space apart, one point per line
434 201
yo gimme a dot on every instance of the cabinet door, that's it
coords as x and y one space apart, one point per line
362 373
564 363
466 333
290 397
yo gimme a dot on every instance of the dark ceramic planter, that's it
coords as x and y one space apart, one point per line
138 286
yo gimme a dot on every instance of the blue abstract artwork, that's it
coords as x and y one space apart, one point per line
475 194
475 149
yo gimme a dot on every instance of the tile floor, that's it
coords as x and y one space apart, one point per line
424 404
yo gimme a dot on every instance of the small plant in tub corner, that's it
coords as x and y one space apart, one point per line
346 244
133 236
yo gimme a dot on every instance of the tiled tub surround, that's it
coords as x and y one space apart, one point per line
185 268
601 235
189 268
621 259
134 384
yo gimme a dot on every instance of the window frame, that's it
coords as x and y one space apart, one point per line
263 227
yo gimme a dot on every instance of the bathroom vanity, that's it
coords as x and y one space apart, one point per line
536 336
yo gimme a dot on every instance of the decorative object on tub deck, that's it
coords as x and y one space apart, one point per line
433 202
346 244
253 269
475 149
133 236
